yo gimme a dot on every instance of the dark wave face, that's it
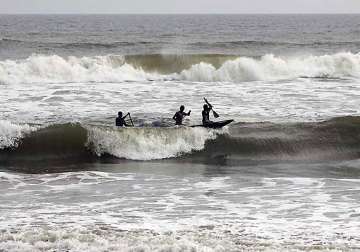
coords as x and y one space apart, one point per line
56 145
335 139
67 144
172 63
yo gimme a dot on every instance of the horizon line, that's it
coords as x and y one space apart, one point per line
181 13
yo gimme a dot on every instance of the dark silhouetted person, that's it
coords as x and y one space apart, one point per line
179 116
120 120
206 114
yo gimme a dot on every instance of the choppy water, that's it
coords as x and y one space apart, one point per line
283 177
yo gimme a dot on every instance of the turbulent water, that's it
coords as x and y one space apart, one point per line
284 176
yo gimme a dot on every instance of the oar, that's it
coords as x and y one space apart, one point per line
128 114
216 115
131 119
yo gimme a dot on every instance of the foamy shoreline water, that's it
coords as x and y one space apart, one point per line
223 213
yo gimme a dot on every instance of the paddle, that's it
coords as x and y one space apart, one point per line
216 115
128 114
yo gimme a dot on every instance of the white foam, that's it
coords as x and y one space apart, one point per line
270 67
148 143
113 68
174 214
56 69
9 176
113 240
213 184
11 133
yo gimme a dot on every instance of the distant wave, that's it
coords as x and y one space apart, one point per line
74 45
56 69
201 44
270 67
260 43
333 139
203 68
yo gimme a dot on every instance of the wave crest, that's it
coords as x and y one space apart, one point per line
273 68
56 69
203 68
148 143
10 133
334 139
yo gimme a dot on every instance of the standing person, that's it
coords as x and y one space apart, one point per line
179 116
206 114
120 120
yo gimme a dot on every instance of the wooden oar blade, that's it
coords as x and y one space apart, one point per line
216 115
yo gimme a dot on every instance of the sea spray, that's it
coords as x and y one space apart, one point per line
56 69
11 133
272 68
148 143
115 68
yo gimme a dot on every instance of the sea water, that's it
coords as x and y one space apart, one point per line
284 176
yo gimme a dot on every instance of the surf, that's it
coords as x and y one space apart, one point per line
80 142
200 68
334 139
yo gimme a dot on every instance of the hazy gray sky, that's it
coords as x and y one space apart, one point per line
179 6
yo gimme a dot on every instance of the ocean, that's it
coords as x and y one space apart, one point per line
284 176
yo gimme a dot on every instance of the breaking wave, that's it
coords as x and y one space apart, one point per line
11 134
203 68
336 139
80 142
56 69
148 143
270 67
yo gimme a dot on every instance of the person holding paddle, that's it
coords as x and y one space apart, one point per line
206 113
206 123
120 120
